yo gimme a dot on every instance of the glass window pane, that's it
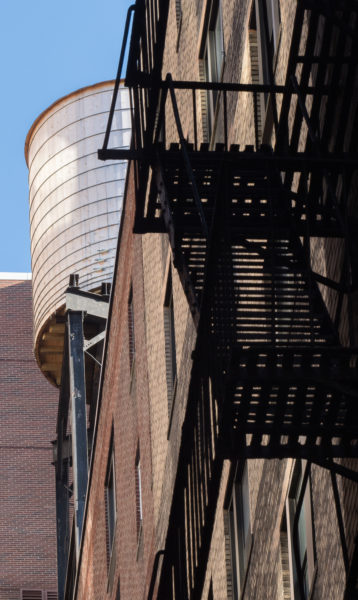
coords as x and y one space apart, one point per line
218 35
245 504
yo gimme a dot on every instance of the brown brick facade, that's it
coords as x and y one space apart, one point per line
268 481
124 404
136 400
28 421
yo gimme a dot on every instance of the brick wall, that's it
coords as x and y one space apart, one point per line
27 426
268 481
137 403
124 403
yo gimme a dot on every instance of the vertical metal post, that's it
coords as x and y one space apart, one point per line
62 528
78 417
62 492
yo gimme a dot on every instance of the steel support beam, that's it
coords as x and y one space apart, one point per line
78 416
252 161
61 462
143 80
87 303
62 524
93 341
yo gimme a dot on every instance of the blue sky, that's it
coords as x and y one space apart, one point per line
48 49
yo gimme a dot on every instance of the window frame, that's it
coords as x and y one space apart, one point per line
110 501
256 71
131 335
138 504
36 594
171 367
263 42
179 20
118 589
212 60
138 494
264 104
239 533
308 566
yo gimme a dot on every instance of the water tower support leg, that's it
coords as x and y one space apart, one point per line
78 416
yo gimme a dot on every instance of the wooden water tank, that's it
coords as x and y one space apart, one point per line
75 206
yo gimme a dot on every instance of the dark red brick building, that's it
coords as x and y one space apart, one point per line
27 427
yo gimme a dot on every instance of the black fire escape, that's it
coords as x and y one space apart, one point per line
264 241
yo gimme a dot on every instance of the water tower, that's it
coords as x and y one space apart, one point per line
75 207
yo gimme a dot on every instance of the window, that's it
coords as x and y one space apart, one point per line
131 338
239 529
268 27
264 36
285 585
38 595
179 16
110 502
178 13
301 574
255 74
138 495
169 335
118 591
212 55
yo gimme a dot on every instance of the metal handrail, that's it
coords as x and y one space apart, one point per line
184 150
144 81
118 77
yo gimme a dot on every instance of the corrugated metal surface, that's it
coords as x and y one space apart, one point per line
75 199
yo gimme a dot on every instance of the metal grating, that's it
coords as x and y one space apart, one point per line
262 294
283 384
289 383
294 402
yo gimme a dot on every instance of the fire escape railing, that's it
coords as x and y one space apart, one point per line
131 9
307 192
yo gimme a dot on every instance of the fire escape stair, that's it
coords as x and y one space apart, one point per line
290 385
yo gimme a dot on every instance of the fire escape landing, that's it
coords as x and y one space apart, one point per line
289 384
246 226
263 242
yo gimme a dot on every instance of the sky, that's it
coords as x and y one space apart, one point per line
47 49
